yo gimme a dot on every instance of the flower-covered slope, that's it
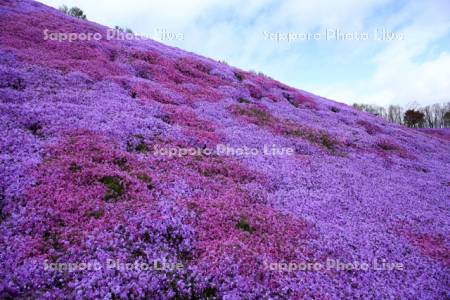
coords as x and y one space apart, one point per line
82 179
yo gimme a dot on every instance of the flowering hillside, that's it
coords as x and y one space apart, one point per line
133 170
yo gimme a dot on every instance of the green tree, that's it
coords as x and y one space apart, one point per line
414 118
447 119
126 30
73 11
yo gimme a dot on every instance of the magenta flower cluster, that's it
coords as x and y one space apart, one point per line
80 182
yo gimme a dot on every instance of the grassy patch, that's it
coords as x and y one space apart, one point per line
322 138
243 100
74 168
137 144
18 84
114 187
52 240
327 141
147 180
335 109
96 214
387 146
137 253
296 132
35 129
209 293
290 99
244 225
258 115
121 162
141 147
239 76
146 237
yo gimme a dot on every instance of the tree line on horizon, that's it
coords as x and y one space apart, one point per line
414 116
79 13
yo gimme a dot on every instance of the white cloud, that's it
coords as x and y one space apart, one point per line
401 75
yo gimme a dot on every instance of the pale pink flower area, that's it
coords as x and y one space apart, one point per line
81 182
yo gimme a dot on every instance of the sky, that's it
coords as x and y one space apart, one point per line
354 51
